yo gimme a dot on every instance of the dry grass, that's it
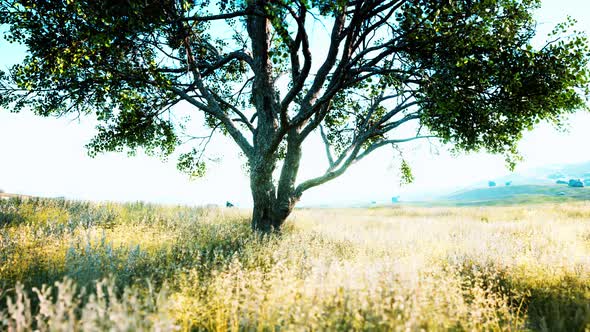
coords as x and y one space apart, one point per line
494 268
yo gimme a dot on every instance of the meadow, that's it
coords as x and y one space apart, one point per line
80 266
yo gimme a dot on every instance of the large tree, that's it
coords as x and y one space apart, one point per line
465 71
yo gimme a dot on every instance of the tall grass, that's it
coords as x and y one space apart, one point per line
83 266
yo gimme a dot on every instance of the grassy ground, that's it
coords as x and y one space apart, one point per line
91 267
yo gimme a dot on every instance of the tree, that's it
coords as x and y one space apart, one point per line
464 71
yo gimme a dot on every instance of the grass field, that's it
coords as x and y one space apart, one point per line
92 267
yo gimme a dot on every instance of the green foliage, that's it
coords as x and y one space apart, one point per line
487 83
190 163
406 173
82 62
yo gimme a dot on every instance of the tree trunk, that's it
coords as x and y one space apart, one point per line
272 207
264 218
263 161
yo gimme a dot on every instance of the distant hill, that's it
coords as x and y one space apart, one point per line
538 184
518 194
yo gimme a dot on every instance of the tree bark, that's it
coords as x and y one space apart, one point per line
264 219
269 213
287 197
272 206
263 190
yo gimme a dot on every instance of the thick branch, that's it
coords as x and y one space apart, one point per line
353 157
236 55
329 175
299 77
213 104
242 118
322 73
224 16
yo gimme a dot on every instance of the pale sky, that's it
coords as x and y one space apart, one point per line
46 157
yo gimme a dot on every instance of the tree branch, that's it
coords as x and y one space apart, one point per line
298 77
327 146
322 73
377 145
236 55
329 175
242 117
353 158
217 17
214 108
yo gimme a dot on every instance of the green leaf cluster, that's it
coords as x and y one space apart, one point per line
484 83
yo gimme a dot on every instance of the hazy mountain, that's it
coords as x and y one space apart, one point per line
537 184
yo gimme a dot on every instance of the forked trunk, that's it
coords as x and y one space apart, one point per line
269 214
264 218
271 208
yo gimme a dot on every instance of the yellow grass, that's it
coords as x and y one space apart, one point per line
402 269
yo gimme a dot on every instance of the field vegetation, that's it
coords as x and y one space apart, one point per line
82 266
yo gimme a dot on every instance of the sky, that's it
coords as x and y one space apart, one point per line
46 157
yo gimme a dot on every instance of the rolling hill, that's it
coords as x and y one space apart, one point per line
517 194
531 186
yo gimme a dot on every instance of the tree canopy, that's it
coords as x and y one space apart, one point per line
465 71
